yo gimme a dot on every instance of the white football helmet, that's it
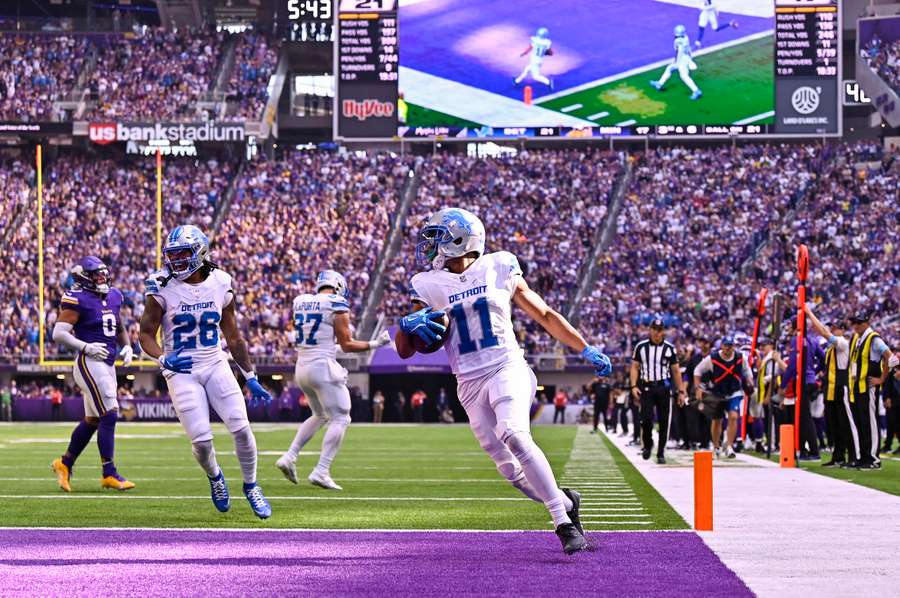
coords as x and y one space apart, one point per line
449 233
180 239
335 280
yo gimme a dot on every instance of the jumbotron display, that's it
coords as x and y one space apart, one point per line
474 68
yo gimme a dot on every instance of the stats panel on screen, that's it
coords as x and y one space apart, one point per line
580 68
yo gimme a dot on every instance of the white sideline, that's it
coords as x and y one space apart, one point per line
789 532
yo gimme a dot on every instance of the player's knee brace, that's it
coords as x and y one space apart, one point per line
203 450
521 445
244 439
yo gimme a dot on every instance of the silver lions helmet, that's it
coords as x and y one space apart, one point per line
185 250
450 233
335 280
680 31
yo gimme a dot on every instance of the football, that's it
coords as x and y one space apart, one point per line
419 344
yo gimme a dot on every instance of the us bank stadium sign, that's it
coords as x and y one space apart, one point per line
173 133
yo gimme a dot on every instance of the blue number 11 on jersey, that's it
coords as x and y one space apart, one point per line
488 338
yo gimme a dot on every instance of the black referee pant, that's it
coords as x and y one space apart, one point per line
655 396
600 407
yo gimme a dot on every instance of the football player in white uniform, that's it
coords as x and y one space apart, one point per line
322 322
709 15
537 49
683 63
193 301
495 385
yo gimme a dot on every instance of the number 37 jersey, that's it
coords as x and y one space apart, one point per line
192 314
314 324
478 302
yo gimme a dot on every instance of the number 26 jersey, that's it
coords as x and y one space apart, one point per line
192 313
478 302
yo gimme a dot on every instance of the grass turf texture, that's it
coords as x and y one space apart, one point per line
886 480
737 83
419 116
377 466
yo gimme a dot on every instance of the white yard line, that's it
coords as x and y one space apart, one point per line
598 116
752 119
649 67
571 108
477 105
789 532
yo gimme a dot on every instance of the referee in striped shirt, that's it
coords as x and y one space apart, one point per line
654 371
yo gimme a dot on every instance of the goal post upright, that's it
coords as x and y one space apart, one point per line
42 355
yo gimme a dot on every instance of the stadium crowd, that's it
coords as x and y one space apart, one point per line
544 207
295 216
36 71
154 74
255 61
685 248
689 220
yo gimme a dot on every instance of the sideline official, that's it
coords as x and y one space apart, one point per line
654 371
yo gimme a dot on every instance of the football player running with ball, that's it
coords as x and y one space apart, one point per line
495 384
193 301
537 49
322 322
89 325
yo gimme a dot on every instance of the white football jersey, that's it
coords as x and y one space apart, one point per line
539 48
314 324
478 302
682 51
192 314
707 5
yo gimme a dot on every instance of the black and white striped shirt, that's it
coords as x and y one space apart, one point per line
655 360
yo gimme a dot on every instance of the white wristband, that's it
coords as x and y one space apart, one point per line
251 375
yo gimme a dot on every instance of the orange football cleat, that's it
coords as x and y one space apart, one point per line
62 474
116 482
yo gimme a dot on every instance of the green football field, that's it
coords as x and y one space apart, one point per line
394 477
737 84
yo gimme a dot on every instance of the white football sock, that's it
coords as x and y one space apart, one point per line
331 443
539 475
305 432
205 455
245 449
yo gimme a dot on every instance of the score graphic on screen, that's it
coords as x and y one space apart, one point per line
366 69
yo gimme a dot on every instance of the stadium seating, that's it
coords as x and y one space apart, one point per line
35 71
689 220
255 61
691 225
298 215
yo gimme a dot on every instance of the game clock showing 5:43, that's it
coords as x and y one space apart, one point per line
310 10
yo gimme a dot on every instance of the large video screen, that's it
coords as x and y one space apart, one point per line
588 68
628 62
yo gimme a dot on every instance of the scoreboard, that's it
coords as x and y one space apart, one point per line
367 67
807 67
778 74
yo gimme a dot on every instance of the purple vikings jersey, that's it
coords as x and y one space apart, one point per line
98 317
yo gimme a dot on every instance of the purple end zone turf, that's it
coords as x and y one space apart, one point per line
178 563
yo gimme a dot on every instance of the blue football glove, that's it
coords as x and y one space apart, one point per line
424 324
258 394
176 362
602 364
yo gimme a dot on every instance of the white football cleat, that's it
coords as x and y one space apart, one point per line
322 480
288 467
